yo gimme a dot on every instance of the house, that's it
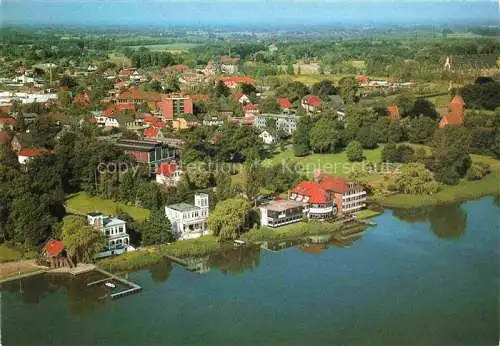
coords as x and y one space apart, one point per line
189 221
241 98
285 104
234 81
284 122
137 97
54 252
393 111
251 109
282 212
115 231
212 120
454 114
148 152
182 123
267 138
26 154
362 80
229 65
175 105
311 103
327 196
153 133
125 73
7 123
168 174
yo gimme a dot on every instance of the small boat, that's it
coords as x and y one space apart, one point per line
238 242
109 284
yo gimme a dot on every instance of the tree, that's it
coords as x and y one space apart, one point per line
405 103
478 170
156 229
390 153
128 187
354 151
423 107
269 105
223 185
81 239
415 179
421 129
198 174
301 136
367 137
252 182
348 89
248 89
324 136
230 218
482 95
221 90
450 155
324 89
394 132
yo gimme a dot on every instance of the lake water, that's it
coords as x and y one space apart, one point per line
417 278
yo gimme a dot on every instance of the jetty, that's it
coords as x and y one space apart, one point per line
132 287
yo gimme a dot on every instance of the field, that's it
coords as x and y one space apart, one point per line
83 203
331 163
119 59
9 254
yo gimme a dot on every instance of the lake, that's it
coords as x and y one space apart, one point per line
422 277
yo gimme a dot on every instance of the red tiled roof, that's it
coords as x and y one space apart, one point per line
250 107
151 132
54 247
312 100
7 120
284 103
238 80
458 100
455 114
32 152
167 169
362 79
332 183
108 111
136 94
4 109
311 189
393 112
120 107
180 68
82 99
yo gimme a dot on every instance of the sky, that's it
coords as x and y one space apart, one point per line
246 12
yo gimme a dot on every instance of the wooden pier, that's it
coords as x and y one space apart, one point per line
134 288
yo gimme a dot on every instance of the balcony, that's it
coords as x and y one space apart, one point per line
354 195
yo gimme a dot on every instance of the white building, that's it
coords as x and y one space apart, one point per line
280 213
115 231
267 138
284 122
189 221
6 97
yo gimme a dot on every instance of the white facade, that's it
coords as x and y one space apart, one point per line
189 221
115 231
169 180
267 138
6 97
284 122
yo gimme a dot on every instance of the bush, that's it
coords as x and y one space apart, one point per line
354 151
300 150
477 171
417 180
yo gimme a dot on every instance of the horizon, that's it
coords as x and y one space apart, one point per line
264 13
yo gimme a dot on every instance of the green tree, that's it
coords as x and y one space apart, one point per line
128 187
223 184
348 89
221 90
230 218
450 155
81 239
367 137
198 174
478 170
421 129
269 105
156 229
252 181
354 151
415 179
324 89
324 136
301 136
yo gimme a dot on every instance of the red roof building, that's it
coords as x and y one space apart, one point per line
393 112
7 122
234 81
362 79
284 103
168 174
82 100
32 152
200 97
328 195
138 96
54 247
152 132
125 107
175 105
455 114
311 103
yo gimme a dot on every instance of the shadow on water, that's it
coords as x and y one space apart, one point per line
160 272
234 261
447 221
81 299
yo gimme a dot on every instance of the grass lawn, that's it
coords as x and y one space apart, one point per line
489 185
83 203
294 230
153 254
337 163
8 253
367 213
119 59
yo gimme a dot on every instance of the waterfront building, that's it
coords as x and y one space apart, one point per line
280 213
115 231
189 221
